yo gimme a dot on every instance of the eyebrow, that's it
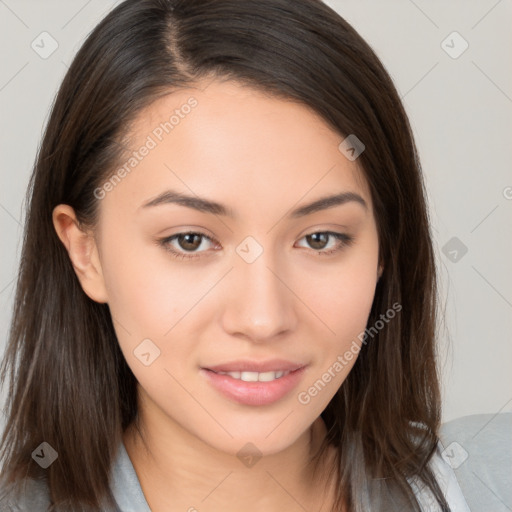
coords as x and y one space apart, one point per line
208 206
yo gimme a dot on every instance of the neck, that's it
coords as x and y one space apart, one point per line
178 471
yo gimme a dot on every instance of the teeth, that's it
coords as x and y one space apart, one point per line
255 376
268 376
249 376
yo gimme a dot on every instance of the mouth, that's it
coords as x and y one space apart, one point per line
256 376
248 366
246 385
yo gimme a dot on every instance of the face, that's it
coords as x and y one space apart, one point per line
214 294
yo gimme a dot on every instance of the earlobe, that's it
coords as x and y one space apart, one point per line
82 250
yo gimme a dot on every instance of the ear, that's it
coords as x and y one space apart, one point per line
82 250
379 271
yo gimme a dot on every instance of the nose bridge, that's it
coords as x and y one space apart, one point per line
260 305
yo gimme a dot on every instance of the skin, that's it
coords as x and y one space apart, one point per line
261 157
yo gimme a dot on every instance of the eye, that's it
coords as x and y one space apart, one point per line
191 244
328 242
185 245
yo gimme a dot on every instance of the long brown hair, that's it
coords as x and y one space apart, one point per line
69 384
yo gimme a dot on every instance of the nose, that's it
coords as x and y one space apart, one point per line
260 305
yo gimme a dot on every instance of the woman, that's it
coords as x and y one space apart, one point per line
227 293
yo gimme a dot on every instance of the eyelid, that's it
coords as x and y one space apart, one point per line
344 240
166 243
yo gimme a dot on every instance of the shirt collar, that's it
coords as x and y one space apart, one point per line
125 484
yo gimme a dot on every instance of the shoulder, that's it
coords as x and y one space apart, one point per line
479 449
448 484
32 496
448 481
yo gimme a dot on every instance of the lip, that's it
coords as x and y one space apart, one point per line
254 393
271 365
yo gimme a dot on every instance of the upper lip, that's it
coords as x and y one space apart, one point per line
271 365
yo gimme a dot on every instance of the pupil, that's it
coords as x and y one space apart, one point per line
318 240
187 241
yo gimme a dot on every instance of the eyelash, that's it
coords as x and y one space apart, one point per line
343 239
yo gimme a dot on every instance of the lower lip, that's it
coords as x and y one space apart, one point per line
254 393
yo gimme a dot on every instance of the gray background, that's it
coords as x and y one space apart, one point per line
460 106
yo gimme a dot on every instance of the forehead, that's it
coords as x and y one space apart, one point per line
228 140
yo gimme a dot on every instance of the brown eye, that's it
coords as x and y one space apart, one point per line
318 240
327 242
189 245
189 241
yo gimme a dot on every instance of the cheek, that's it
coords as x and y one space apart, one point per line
146 293
151 298
146 303
342 301
341 294
343 308
353 295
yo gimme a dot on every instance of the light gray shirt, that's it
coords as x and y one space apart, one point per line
130 498
125 487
